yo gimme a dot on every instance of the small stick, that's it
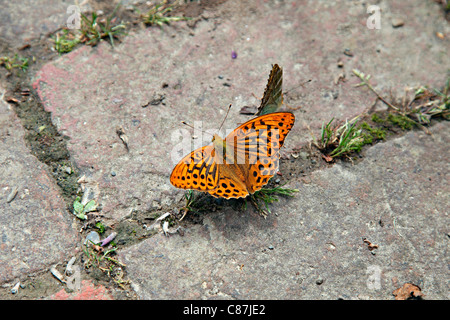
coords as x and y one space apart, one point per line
108 239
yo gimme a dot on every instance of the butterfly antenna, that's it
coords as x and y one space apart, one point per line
301 85
192 127
187 124
229 107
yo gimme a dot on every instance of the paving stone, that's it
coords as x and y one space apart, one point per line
314 248
36 230
25 20
158 77
88 291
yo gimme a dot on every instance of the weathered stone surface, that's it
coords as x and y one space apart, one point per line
87 291
25 20
35 227
93 91
314 248
396 198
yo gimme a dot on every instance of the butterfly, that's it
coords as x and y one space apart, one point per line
240 164
247 158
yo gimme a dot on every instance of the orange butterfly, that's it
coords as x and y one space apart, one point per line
240 164
247 158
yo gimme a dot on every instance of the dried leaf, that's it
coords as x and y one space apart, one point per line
11 99
97 248
407 292
25 92
327 158
249 110
371 245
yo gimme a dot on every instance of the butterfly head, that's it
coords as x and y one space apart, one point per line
218 142
220 147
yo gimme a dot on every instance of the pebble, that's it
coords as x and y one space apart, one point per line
348 52
397 22
12 194
440 35
303 155
68 170
92 236
15 289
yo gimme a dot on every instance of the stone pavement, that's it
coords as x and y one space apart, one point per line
397 197
314 248
36 229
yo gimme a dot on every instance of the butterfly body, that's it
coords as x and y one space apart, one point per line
238 165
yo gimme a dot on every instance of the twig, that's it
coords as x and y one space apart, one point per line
365 82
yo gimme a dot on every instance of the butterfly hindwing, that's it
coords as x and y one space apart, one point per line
228 187
261 172
197 170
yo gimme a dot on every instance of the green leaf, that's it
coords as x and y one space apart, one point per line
81 216
77 206
100 227
90 206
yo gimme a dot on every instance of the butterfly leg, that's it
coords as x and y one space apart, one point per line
254 95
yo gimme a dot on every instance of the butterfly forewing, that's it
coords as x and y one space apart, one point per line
256 146
273 95
261 137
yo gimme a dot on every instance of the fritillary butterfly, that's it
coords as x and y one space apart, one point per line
240 164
